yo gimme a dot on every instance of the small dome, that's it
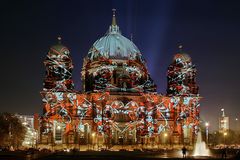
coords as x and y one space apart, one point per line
58 50
182 57
114 45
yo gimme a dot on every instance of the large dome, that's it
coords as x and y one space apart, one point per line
114 45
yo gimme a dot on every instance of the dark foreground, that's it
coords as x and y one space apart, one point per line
104 155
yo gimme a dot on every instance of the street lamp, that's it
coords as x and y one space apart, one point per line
207 125
224 136
237 124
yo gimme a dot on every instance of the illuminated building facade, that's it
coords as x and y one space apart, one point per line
118 103
223 122
31 124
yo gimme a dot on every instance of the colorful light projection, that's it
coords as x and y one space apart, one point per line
181 76
118 92
149 119
58 69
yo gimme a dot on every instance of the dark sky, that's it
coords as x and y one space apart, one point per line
209 31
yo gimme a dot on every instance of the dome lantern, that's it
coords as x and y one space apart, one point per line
113 28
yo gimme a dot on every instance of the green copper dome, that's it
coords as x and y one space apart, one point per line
113 45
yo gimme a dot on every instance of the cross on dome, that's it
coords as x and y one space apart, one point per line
114 22
180 47
59 38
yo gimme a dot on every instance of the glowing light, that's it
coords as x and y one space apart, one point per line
206 124
58 127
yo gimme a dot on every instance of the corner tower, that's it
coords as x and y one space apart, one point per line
59 67
183 90
181 76
57 94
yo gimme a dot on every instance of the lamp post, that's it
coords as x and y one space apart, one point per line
207 125
224 136
237 124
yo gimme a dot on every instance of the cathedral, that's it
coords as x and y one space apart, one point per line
118 103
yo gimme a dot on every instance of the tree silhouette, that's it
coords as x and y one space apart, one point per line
11 130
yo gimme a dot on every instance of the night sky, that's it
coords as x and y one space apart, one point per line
209 31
